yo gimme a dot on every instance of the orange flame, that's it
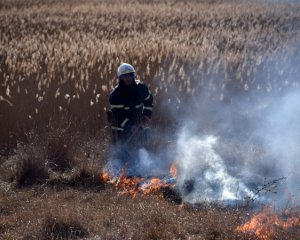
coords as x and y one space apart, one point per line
173 170
128 185
154 185
104 176
267 224
135 185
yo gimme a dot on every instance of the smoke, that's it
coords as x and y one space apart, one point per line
203 174
138 162
280 132
227 152
249 145
230 150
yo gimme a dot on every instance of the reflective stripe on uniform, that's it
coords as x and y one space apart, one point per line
117 106
124 122
139 106
117 128
126 108
148 108
148 97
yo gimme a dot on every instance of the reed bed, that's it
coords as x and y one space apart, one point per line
58 62
58 59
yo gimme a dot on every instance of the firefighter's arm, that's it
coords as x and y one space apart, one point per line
120 122
148 106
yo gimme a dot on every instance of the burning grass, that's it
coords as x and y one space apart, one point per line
57 66
136 185
267 224
73 207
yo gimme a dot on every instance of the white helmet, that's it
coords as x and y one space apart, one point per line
125 68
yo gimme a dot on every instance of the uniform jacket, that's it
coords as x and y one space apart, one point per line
129 104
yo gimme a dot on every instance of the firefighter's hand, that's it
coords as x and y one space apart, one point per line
146 120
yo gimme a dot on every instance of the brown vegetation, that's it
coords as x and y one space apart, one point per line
58 59
43 213
58 63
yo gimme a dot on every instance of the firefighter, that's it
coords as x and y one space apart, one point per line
131 105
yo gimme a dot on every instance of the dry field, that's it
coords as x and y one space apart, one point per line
58 62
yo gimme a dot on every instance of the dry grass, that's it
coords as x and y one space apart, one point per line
58 63
58 60
54 160
45 212
62 211
61 228
25 168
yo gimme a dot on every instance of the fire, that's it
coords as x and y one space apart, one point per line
104 177
173 170
154 185
267 224
135 185
128 185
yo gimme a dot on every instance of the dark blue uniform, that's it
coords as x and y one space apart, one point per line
128 105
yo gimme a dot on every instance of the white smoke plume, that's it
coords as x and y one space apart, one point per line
280 132
203 174
228 150
138 162
248 146
225 165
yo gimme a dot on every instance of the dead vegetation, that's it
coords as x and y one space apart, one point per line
52 160
58 60
45 213
61 228
57 66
